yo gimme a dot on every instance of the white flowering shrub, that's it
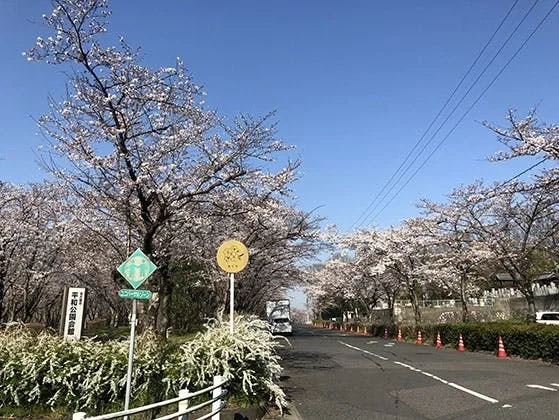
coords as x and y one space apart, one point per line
44 370
247 357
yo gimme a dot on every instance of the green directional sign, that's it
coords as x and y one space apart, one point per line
135 294
137 268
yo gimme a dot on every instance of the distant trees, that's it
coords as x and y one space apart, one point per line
142 163
455 247
32 235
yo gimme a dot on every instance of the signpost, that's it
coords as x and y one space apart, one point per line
232 257
74 313
135 294
136 269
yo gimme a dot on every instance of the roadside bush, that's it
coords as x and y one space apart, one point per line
247 357
45 371
526 340
521 339
87 375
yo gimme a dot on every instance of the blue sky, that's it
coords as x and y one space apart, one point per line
355 85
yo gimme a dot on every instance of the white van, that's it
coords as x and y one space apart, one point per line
547 317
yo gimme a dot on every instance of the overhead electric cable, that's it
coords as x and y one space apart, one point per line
523 172
475 82
366 212
470 108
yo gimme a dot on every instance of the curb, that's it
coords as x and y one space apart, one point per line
290 413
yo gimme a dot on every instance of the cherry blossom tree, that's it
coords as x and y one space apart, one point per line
332 286
137 146
33 240
458 259
9 236
374 283
529 137
517 225
406 256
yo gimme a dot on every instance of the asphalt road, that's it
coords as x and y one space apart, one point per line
336 375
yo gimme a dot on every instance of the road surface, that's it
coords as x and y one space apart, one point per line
336 375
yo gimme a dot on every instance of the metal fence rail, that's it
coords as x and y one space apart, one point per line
183 411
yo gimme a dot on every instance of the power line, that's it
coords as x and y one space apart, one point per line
523 172
469 109
475 82
366 213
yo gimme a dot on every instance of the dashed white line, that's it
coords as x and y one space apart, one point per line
453 385
363 351
554 384
542 387
474 393
430 375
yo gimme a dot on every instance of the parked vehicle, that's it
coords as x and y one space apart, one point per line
547 317
278 313
282 326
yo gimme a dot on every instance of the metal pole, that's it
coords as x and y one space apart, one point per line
130 357
231 301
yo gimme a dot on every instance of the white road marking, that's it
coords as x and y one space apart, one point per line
541 387
554 384
363 351
507 406
453 385
372 342
474 393
430 375
389 345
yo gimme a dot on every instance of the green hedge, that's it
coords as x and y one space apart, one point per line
521 339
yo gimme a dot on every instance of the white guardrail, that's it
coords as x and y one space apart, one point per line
183 412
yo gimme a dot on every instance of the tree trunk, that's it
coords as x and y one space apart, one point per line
414 299
165 290
531 304
1 298
465 313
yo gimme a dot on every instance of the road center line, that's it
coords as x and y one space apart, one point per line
430 375
541 387
451 384
363 351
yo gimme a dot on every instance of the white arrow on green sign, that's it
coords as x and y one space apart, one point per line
137 268
135 294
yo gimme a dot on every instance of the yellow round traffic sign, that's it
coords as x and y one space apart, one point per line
232 256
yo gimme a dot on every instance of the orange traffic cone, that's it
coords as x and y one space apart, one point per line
501 352
419 340
461 343
399 335
439 343
386 333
